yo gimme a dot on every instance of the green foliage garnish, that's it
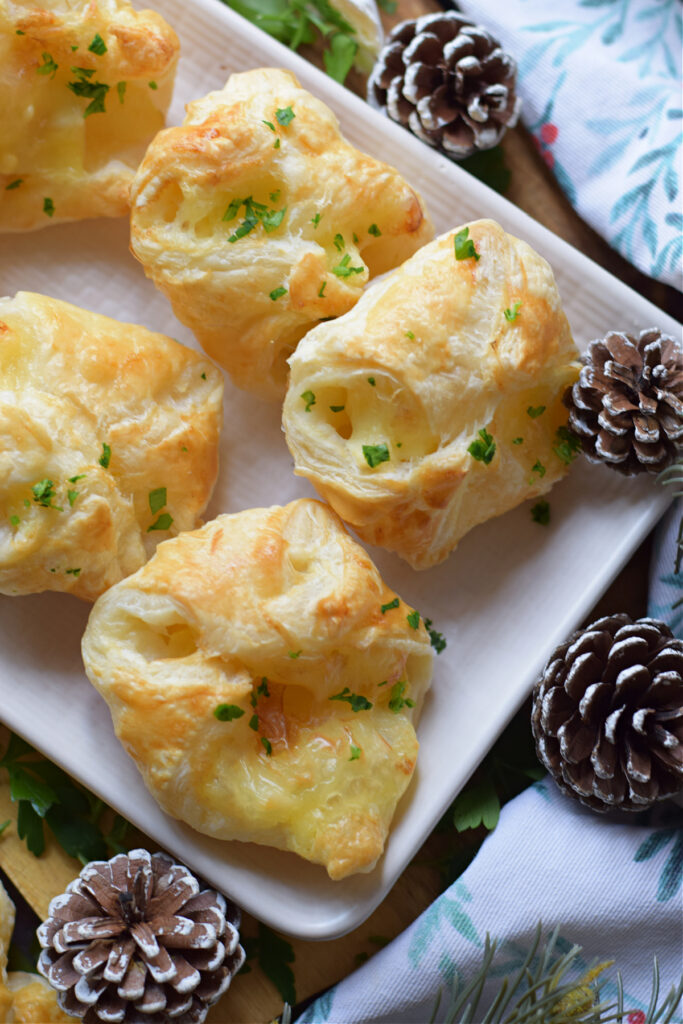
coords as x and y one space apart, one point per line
276 144
75 479
464 246
371 381
309 398
540 513
357 701
436 639
274 196
344 270
477 805
316 220
267 746
413 619
321 290
488 165
232 209
44 493
355 753
512 314
15 520
14 184
227 712
338 242
262 688
48 206
375 453
105 457
374 230
284 116
539 468
534 411
294 654
518 440
277 293
121 90
410 336
253 723
484 449
338 60
153 85
337 408
274 955
98 45
269 124
96 92
255 213
157 499
568 446
164 522
397 701
390 604
73 572
48 67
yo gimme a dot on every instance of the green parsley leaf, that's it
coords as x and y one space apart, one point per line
274 196
375 453
517 440
489 166
294 654
399 444
540 513
357 701
371 381
284 116
316 220
153 85
413 619
539 468
464 246
309 398
337 408
15 520
383 683
410 335
232 209
4 824
121 90
48 67
157 500
48 206
389 605
344 270
83 73
19 32
227 712
338 241
269 124
73 572
436 639
338 60
30 828
276 144
267 746
164 522
262 688
14 184
27 503
73 49
72 495
272 219
397 701
512 314
43 494
95 91
203 376
477 805
253 723
355 238
484 449
277 293
534 411
568 447
105 457
98 45
355 753
321 291
388 5
25 786
374 230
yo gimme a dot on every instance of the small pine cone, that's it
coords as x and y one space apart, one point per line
448 81
627 405
134 940
607 714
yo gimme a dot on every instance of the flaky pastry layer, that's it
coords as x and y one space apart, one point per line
108 443
84 86
251 278
276 615
384 403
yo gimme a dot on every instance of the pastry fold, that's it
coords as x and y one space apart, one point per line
265 681
257 219
392 409
84 86
108 444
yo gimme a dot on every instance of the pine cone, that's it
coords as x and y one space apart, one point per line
627 405
448 81
134 940
608 714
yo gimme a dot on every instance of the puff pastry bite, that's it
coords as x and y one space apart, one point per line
257 219
84 86
108 444
384 404
275 621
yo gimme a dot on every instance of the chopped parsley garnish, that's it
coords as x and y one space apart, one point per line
436 639
344 270
262 688
568 446
316 220
105 457
410 336
255 213
483 449
284 116
397 701
98 45
276 144
355 753
253 723
374 230
274 196
203 376
277 293
534 411
375 453
337 408
540 513
27 503
269 124
371 381
83 72
355 238
464 246
153 85
14 184
517 440
398 444
48 67
227 712
267 746
413 619
96 92
338 243
72 495
539 468
294 654
157 500
383 683
121 90
73 49
232 209
272 219
73 572
44 493
512 314
162 523
356 700
48 206
391 604
321 290
14 520
309 398
19 33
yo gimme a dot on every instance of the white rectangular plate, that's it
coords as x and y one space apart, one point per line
504 599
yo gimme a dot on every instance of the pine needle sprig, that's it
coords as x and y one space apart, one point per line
672 476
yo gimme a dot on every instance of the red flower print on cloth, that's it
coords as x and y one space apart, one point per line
637 1017
547 134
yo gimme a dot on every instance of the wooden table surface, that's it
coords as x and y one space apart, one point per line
252 998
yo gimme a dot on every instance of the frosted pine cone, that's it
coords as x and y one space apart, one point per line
627 405
448 81
133 940
607 714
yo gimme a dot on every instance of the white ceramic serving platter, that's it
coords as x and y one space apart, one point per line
504 599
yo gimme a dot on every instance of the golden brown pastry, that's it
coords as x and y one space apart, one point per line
445 353
84 85
108 444
265 681
24 998
257 219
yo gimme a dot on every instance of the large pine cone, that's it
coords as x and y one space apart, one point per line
134 940
448 81
608 714
627 405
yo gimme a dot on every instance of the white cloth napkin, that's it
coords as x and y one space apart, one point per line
600 82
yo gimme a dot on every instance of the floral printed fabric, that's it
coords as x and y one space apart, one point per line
601 85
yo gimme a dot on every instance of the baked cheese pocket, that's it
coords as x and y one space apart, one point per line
257 219
84 86
108 444
436 403
265 681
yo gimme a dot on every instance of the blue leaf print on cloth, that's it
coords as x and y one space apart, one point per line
672 874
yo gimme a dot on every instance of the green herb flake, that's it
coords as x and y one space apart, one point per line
164 522
274 196
272 219
316 220
262 688
338 242
227 712
83 73
371 381
321 290
375 453
44 493
436 639
267 746
294 654
464 246
15 520
232 209
383 683
539 468
309 398
355 238
397 701
253 723
534 411
203 376
73 49
19 32
276 144
105 457
284 116
27 503
413 619
374 230
344 270
14 184
568 446
73 572
277 293
357 701
98 45
269 124
390 604
48 67
540 513
512 314
483 449
48 206
157 500
337 408
153 85
96 92
410 336
121 90
518 440
355 753
72 495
